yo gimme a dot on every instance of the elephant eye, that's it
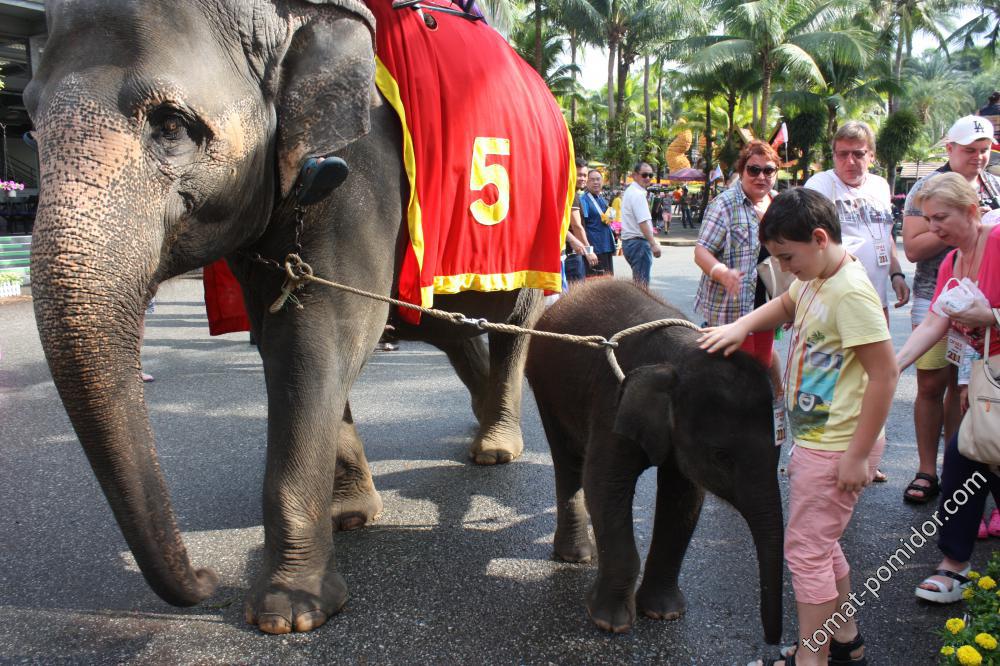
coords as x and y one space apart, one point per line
168 125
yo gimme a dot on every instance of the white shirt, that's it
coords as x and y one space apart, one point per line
865 222
635 211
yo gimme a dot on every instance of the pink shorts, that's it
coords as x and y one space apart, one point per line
818 514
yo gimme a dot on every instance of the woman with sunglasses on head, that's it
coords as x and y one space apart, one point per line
729 250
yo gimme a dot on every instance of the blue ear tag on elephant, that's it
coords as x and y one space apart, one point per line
318 177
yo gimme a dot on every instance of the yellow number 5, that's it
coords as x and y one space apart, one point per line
495 174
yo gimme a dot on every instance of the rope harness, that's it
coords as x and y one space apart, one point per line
298 273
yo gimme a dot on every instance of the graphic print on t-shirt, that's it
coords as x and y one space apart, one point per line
818 372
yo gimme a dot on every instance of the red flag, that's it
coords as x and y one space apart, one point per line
781 137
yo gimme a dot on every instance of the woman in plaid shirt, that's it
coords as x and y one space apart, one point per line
729 250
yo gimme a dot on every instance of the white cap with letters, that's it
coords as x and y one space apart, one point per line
969 129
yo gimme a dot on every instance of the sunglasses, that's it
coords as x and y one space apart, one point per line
844 154
646 174
755 171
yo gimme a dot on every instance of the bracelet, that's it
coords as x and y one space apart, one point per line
892 276
711 273
588 249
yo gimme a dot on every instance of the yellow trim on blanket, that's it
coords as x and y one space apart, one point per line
571 190
452 284
390 90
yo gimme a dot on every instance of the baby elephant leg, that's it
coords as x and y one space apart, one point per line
572 542
678 505
609 485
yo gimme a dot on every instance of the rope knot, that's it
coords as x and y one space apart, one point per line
298 272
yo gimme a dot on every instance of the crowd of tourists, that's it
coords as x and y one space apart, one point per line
835 235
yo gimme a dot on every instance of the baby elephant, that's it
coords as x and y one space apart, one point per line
704 421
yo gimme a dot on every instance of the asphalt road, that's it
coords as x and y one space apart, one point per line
457 569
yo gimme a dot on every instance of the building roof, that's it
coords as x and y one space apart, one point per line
914 170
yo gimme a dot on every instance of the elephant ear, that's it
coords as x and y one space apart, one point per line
325 85
645 409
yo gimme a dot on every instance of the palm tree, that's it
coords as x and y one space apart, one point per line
560 78
986 24
780 38
901 20
937 92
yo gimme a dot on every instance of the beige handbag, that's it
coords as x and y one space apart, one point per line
776 281
979 435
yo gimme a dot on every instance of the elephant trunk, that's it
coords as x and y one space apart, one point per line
91 282
767 530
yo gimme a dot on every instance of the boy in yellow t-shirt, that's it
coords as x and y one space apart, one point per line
839 386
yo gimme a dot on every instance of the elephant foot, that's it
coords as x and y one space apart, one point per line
578 549
497 447
284 608
615 615
353 510
661 604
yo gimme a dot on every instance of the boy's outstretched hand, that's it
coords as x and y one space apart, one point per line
726 339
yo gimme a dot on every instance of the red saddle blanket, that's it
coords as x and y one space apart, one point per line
487 153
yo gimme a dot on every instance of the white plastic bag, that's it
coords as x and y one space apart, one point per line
957 296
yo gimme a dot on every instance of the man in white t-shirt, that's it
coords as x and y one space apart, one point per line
865 209
864 206
639 244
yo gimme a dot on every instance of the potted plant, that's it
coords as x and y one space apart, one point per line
10 284
11 187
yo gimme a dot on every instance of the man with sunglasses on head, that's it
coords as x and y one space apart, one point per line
968 144
639 244
864 206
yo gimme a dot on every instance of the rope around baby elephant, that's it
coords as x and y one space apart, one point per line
641 328
298 273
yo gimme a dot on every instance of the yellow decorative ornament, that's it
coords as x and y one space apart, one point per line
986 583
677 151
969 656
955 625
986 641
947 650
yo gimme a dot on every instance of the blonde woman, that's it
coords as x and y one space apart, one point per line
951 208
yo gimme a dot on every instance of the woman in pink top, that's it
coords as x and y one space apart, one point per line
951 208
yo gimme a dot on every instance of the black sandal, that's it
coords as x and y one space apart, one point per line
840 653
927 492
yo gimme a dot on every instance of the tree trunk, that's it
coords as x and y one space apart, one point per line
897 68
708 158
645 95
612 48
659 94
624 60
538 38
572 59
765 101
754 99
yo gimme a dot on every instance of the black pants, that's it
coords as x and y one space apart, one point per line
958 531
605 265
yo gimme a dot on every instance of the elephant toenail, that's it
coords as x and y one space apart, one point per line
272 623
309 621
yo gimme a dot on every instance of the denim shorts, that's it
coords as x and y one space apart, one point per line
639 257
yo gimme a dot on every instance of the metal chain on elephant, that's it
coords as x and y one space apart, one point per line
298 273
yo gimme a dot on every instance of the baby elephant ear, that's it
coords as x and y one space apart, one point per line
326 85
645 409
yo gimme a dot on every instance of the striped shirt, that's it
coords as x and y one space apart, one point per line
729 232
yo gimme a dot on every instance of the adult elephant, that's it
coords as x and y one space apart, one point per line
171 134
